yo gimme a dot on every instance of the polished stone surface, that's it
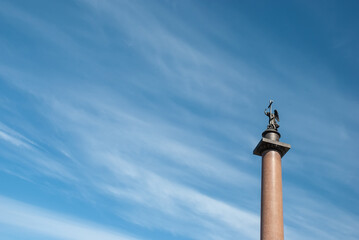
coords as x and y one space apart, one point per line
271 203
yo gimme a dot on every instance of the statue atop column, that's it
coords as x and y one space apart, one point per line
272 117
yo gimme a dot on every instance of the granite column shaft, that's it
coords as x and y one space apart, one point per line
271 197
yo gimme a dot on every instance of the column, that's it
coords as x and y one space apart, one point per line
272 152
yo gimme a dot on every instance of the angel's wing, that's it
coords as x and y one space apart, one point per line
276 115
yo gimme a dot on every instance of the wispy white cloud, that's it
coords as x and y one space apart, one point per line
177 203
43 29
311 216
29 218
137 179
14 137
12 140
190 72
34 156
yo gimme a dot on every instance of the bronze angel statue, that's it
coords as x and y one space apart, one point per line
273 117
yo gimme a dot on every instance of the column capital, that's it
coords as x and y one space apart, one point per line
268 144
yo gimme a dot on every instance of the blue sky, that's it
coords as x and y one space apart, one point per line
137 119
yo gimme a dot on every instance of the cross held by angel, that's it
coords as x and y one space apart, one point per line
272 117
